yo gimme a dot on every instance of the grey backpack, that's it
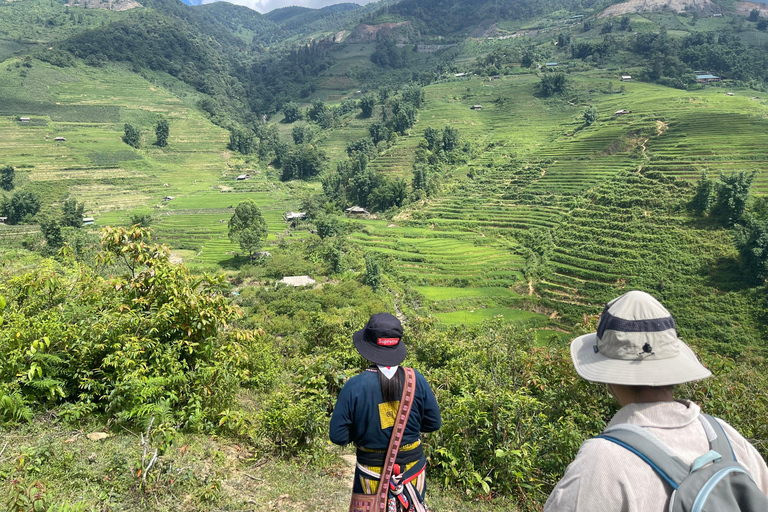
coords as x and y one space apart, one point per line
715 482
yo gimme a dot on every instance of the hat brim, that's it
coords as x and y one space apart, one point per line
595 367
384 356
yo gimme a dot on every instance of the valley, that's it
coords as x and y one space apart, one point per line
501 218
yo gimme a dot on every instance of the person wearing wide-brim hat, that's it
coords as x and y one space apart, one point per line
365 412
638 355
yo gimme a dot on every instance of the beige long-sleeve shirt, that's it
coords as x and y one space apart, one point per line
604 477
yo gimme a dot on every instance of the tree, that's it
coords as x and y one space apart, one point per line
364 145
625 24
247 227
292 112
704 197
379 132
552 83
753 243
242 141
405 116
372 272
72 213
414 95
20 207
754 15
301 135
732 196
161 132
433 137
450 138
367 103
317 111
528 59
327 225
132 135
140 219
762 25
7 174
590 116
51 230
303 162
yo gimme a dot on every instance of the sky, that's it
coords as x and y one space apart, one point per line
269 5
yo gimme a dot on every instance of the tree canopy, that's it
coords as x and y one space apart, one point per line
247 227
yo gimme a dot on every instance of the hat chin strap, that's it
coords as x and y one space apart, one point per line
388 371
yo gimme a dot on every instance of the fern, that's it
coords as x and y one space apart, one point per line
14 408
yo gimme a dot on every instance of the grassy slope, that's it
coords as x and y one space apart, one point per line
195 473
88 106
677 132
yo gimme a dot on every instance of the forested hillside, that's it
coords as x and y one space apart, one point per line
490 172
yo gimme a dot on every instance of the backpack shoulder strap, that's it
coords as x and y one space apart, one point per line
720 443
403 412
651 450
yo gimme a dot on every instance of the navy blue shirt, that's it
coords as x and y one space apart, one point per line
360 412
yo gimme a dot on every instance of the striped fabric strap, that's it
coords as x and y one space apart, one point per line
409 391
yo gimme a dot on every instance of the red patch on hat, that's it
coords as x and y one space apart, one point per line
387 342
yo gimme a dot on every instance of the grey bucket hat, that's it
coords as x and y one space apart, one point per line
636 344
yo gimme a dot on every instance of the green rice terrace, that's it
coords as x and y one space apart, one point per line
533 166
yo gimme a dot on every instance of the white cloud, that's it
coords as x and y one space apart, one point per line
269 5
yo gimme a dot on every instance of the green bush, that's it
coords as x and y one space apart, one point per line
149 339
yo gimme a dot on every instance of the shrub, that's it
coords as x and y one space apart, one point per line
148 340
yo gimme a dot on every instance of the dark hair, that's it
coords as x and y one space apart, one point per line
392 389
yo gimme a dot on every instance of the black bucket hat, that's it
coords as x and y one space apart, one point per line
381 340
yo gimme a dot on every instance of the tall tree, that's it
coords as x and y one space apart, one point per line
247 227
590 116
161 132
72 213
372 272
19 207
7 174
704 197
51 230
131 135
552 83
367 103
732 196
292 112
753 244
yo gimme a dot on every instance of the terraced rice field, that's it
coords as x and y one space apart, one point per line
88 108
539 167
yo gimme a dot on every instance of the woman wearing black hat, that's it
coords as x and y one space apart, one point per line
367 414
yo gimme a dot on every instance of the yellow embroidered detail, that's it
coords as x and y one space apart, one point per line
388 413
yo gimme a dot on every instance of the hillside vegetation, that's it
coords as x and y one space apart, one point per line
514 183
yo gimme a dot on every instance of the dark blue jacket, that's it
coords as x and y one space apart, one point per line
356 415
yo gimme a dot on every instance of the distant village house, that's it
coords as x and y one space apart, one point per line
626 78
707 78
243 177
621 112
168 198
476 107
294 216
357 210
24 119
460 75
3 219
552 64
59 139
87 221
